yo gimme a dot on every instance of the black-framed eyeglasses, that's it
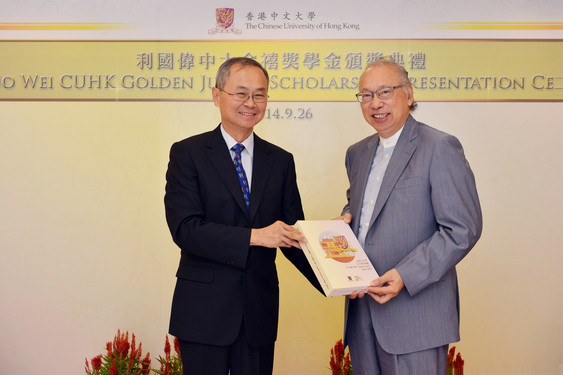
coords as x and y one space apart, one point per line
244 96
383 93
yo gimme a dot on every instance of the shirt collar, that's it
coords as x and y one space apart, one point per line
248 143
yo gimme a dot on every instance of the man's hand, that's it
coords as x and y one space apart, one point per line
357 294
386 287
346 217
278 234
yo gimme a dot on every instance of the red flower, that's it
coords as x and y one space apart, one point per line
133 356
121 344
96 363
146 364
347 364
87 367
451 355
177 346
113 368
455 363
339 363
458 361
167 349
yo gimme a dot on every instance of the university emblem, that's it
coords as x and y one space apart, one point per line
225 18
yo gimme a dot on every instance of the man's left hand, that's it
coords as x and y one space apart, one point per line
278 234
386 287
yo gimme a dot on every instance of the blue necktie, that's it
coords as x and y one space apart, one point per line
241 174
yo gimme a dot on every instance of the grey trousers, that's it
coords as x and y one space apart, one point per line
368 358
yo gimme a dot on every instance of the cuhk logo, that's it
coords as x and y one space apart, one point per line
225 18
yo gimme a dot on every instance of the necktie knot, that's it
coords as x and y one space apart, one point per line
238 148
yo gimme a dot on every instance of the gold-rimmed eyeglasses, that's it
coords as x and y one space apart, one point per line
244 96
383 93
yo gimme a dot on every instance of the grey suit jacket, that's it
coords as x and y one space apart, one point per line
427 217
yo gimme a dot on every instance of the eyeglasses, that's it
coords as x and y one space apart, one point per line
244 96
383 93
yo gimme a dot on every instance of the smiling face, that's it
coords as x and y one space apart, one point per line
386 116
239 118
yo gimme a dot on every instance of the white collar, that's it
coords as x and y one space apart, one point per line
392 140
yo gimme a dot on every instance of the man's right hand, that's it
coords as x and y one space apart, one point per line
346 217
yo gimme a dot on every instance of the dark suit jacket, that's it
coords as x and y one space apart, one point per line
221 279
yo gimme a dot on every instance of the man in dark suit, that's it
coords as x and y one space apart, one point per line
413 204
230 201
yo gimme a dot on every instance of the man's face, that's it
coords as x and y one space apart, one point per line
386 116
239 118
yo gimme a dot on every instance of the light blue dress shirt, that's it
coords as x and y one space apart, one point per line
377 172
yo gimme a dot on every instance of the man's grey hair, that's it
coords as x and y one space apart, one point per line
225 69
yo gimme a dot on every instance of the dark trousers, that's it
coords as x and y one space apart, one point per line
239 358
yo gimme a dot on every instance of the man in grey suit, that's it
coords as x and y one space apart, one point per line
413 204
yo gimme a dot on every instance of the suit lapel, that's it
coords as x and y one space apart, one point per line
401 155
220 158
261 169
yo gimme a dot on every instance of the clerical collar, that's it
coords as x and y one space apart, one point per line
391 141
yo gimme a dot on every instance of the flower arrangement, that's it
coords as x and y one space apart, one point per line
119 360
124 358
455 363
340 363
